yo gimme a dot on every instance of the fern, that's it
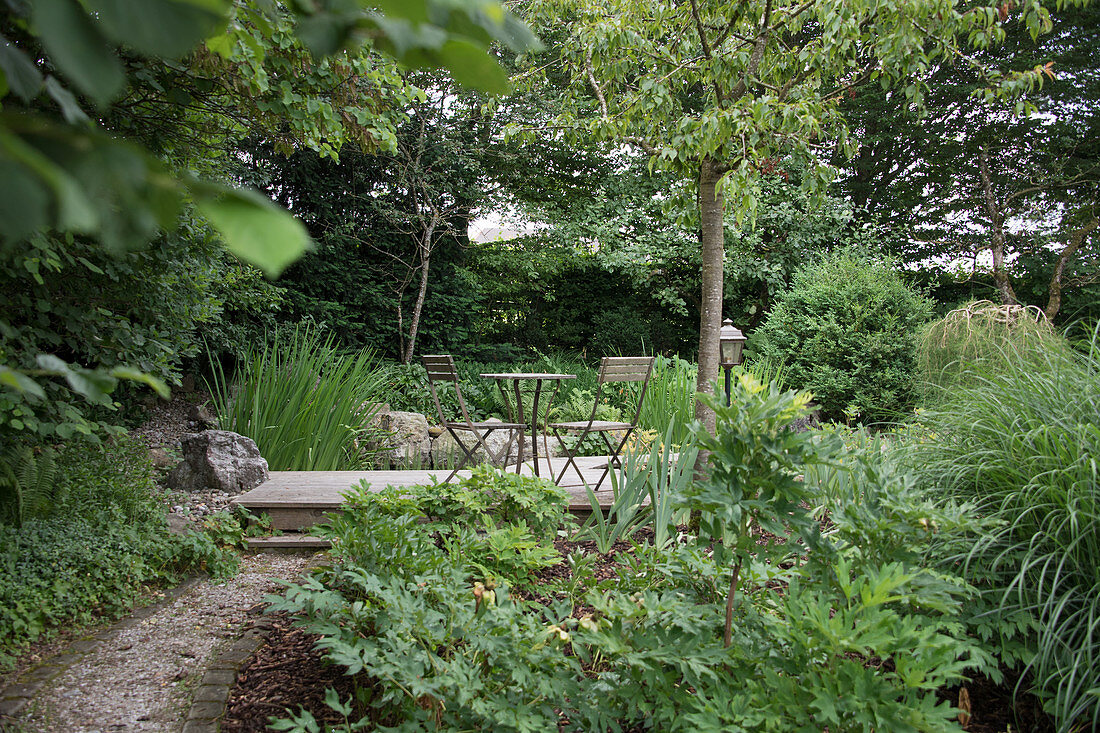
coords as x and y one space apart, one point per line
578 406
28 483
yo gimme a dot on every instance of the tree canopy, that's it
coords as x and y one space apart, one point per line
717 92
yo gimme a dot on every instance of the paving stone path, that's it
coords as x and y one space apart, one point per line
166 668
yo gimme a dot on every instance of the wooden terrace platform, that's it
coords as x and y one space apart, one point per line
295 500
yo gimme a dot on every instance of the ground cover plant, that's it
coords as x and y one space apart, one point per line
848 629
93 547
1017 435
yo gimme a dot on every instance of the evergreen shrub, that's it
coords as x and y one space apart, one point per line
846 330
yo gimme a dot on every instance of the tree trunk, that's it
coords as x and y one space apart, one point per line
1076 239
418 306
996 219
711 210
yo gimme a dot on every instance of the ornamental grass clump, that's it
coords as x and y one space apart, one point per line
1020 438
950 348
306 404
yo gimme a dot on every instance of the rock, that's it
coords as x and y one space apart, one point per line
160 459
218 459
374 408
177 524
447 454
435 431
402 439
201 417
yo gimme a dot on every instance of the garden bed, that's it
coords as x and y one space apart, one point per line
288 673
466 606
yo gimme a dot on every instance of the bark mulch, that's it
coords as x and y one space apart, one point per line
285 675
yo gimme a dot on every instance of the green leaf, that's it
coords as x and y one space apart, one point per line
139 376
91 384
324 34
20 382
24 202
473 67
414 11
253 227
23 78
74 210
84 261
167 28
70 108
78 49
221 45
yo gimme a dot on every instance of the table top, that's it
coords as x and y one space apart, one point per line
528 375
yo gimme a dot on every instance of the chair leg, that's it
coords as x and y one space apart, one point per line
469 454
571 456
495 458
614 457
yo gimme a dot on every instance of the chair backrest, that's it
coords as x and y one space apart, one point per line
441 369
625 369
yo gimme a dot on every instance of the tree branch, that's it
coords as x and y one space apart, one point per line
706 46
590 72
757 56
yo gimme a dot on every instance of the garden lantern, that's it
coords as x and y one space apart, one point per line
730 341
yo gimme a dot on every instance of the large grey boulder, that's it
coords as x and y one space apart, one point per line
402 440
219 460
446 453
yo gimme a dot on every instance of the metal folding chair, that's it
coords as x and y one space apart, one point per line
612 369
441 375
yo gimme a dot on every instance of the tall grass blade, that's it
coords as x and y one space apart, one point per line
306 404
1020 436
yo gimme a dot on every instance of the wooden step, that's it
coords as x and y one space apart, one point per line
296 500
288 543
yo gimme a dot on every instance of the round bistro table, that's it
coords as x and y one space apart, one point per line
516 415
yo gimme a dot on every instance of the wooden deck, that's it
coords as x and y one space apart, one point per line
295 500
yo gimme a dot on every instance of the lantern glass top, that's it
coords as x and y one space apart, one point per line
731 342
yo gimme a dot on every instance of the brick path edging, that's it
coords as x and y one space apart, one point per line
16 697
209 700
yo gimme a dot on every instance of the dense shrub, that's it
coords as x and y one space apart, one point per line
69 298
846 330
1019 437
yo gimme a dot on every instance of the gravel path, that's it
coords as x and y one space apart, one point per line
143 677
